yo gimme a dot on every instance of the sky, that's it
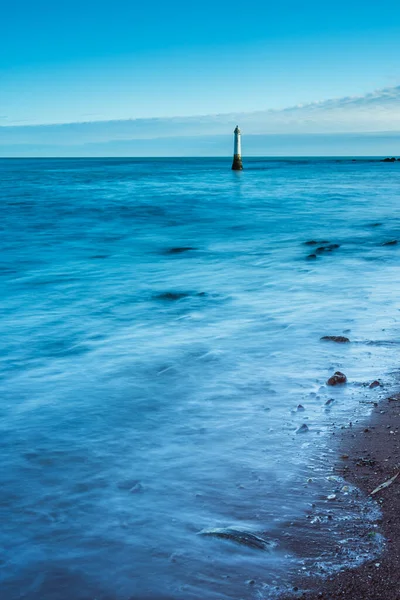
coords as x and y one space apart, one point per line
86 61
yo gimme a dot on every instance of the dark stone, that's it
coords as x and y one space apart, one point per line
329 401
179 250
374 384
391 243
303 429
337 379
389 159
311 257
339 339
300 407
239 536
327 248
316 242
131 485
171 296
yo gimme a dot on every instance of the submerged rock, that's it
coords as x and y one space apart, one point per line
327 248
315 243
339 339
300 407
311 256
390 243
133 486
303 429
240 537
171 295
337 379
179 249
329 401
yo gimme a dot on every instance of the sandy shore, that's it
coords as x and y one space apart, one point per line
373 453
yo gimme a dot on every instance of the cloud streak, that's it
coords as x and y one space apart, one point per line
374 112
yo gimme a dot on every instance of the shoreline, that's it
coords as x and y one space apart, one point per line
370 456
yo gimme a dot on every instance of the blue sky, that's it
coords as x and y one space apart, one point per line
87 61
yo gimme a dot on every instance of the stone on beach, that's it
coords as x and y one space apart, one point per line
303 429
337 379
240 537
375 384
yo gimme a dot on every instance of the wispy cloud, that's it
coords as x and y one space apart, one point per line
374 112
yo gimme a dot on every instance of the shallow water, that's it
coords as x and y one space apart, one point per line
148 393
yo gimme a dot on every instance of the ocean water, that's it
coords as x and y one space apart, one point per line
160 324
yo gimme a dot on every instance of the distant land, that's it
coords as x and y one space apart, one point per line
356 126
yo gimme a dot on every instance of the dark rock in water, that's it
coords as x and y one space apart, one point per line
389 159
375 224
131 485
303 429
339 339
391 243
375 384
300 407
329 401
311 257
240 537
315 243
171 296
337 379
179 250
327 248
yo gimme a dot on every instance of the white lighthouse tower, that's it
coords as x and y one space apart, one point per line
237 151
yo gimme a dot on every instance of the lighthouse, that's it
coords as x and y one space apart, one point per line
237 151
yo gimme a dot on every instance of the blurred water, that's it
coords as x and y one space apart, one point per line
148 394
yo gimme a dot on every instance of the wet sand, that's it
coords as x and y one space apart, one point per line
370 456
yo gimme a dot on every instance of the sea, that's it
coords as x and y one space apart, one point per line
166 430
